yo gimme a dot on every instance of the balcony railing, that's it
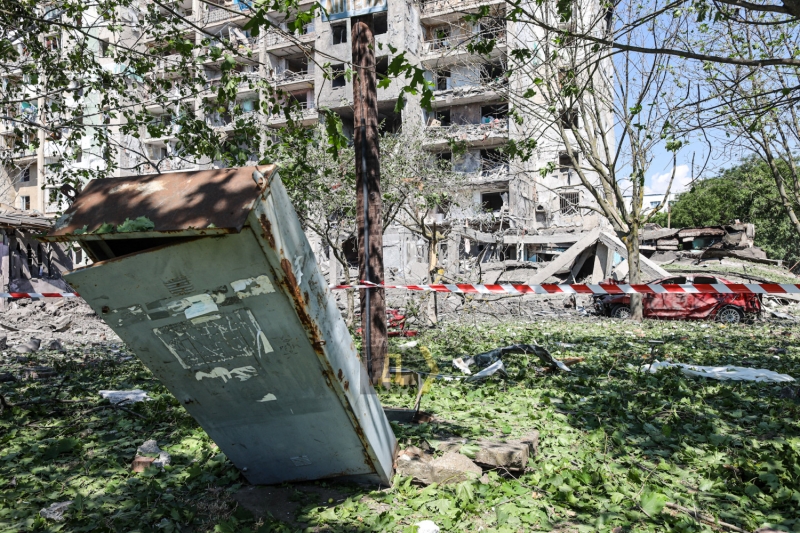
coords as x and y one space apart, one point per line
495 128
437 6
291 76
275 38
446 43
217 14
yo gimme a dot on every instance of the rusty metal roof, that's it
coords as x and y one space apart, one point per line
203 202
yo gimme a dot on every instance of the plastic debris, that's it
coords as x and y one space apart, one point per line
724 373
490 362
150 449
125 396
56 511
427 526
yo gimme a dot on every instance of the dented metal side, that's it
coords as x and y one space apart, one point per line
241 329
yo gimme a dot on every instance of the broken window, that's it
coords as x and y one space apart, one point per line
382 67
380 24
440 37
494 73
674 281
25 175
565 163
569 119
569 203
440 117
339 33
493 161
442 79
25 203
490 113
337 76
494 201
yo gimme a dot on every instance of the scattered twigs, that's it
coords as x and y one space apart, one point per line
113 406
706 519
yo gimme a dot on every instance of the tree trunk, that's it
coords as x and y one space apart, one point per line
634 269
368 191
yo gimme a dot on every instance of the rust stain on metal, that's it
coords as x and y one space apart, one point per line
267 227
174 202
340 375
290 282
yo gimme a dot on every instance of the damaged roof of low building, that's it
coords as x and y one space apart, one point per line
18 219
655 232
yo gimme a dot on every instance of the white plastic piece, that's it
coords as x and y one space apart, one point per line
734 373
427 526
126 396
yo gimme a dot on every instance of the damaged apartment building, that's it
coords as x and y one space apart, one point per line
511 212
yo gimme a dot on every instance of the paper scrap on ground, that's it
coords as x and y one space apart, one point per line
735 373
56 511
126 396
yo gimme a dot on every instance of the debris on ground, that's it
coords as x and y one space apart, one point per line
117 397
723 373
150 450
29 347
56 511
491 363
427 526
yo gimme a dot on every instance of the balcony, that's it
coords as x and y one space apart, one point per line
282 43
215 15
307 116
455 45
291 80
227 121
492 132
430 9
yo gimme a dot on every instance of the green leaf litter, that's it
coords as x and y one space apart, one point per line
620 450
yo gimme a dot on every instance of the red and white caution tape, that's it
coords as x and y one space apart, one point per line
602 288
472 288
18 295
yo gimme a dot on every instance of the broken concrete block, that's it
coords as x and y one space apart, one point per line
150 449
508 455
29 347
62 324
454 468
56 345
450 445
532 440
416 468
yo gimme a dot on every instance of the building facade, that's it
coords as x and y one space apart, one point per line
509 206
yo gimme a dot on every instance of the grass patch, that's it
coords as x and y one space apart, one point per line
616 445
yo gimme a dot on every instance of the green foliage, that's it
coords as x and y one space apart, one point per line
615 444
746 192
139 224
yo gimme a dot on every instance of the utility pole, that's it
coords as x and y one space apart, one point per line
369 205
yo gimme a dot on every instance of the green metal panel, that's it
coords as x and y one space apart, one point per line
242 330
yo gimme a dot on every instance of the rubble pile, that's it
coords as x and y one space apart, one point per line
56 326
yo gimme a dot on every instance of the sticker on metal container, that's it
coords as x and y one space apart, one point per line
214 339
242 374
268 398
245 288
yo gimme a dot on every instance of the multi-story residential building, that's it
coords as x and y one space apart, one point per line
504 200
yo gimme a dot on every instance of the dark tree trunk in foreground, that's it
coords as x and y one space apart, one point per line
368 182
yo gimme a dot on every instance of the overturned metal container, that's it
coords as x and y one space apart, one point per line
217 291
